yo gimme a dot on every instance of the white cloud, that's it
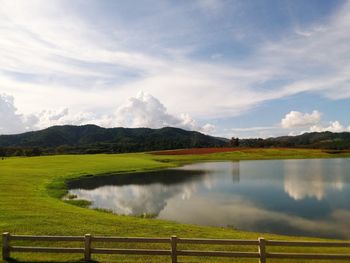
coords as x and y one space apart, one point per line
298 119
309 122
62 52
317 57
58 55
14 122
49 118
208 128
10 120
144 110
334 126
66 61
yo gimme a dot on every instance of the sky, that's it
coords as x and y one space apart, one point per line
231 68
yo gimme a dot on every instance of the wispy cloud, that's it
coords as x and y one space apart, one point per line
53 53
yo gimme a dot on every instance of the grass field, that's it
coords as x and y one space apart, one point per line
30 191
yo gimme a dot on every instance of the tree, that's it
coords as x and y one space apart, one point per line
36 151
2 153
234 142
18 152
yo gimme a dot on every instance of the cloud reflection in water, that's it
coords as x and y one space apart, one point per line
296 197
305 178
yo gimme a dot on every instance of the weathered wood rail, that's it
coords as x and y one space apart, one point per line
87 250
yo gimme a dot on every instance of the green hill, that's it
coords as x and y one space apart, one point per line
321 140
95 139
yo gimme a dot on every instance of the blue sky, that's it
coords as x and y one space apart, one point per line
227 68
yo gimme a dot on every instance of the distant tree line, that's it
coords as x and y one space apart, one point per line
109 148
323 140
16 151
90 139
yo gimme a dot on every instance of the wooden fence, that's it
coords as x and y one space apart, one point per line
261 254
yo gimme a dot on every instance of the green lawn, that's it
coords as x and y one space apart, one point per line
30 191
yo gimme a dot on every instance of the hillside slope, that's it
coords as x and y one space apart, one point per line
322 140
93 138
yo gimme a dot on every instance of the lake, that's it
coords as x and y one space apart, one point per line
294 197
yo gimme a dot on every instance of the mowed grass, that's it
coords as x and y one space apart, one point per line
31 188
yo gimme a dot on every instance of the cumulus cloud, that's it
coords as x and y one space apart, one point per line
298 119
334 126
144 110
10 120
310 122
14 122
63 116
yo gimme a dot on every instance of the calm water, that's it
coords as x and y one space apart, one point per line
295 197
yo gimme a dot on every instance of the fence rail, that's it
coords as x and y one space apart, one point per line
261 254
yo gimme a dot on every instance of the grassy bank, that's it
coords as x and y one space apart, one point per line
30 189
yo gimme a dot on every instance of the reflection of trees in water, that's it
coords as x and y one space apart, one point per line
311 178
235 172
165 177
137 198
204 197
135 194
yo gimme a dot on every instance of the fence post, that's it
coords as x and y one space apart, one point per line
87 251
262 250
5 245
173 240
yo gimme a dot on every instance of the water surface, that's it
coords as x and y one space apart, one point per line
294 197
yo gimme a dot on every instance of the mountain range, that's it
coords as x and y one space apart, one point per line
95 139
